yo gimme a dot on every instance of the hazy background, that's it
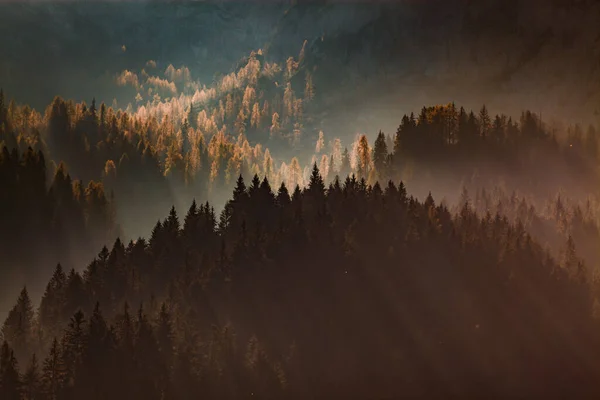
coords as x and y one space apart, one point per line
392 56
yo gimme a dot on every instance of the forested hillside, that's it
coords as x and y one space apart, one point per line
138 167
47 220
354 290
302 200
372 57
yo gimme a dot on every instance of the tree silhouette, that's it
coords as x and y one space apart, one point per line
10 384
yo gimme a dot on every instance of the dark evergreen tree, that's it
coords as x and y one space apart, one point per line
53 373
10 384
380 155
32 381
283 196
345 168
19 326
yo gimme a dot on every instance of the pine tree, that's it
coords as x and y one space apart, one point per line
190 219
75 293
380 155
331 168
275 125
192 116
364 157
53 373
164 334
239 193
297 195
255 116
156 237
74 344
484 122
320 143
93 111
165 341
94 381
171 224
10 384
345 168
316 186
570 259
309 91
147 360
254 186
125 334
18 326
32 380
283 196
52 306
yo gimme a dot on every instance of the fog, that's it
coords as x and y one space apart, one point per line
187 96
508 54
372 62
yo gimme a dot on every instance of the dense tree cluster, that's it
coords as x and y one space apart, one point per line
45 220
525 154
551 222
168 152
302 285
350 290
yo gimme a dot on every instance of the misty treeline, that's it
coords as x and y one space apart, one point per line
301 293
192 146
195 145
45 220
351 290
552 222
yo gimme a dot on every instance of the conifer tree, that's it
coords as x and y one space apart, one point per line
52 306
10 384
484 122
380 155
316 186
147 360
53 373
364 157
283 196
18 326
73 347
32 380
345 168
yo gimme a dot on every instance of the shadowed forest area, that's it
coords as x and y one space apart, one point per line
298 296
334 201
297 292
129 170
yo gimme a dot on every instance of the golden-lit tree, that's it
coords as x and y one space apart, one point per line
294 174
275 127
288 101
309 90
255 118
320 143
363 157
268 170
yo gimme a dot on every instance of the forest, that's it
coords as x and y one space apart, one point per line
84 176
298 295
334 201
338 284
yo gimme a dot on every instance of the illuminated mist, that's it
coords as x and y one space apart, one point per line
302 199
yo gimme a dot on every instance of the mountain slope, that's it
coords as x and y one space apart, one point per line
506 53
